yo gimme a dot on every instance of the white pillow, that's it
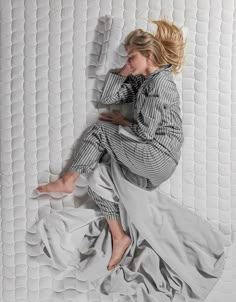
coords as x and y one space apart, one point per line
94 47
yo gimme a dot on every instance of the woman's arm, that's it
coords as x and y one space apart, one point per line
120 88
155 109
114 117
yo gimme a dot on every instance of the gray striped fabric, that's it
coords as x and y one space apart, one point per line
109 209
157 107
158 125
138 157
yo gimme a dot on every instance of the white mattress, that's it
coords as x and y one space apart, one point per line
47 93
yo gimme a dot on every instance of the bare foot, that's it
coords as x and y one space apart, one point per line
57 186
118 250
65 184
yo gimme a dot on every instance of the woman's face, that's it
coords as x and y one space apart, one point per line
137 62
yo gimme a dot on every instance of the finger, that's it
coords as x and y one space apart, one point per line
115 122
106 114
116 113
103 118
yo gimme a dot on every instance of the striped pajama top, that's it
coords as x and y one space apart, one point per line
156 104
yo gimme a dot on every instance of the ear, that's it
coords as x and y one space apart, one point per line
149 59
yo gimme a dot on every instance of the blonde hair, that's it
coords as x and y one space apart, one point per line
166 46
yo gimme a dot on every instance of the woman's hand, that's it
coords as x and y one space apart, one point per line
114 117
126 70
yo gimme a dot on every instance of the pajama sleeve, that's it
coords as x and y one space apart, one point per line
119 89
155 108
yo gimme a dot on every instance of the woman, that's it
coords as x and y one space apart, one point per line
146 79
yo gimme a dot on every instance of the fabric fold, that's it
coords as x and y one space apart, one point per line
174 252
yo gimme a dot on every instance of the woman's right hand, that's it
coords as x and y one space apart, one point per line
126 70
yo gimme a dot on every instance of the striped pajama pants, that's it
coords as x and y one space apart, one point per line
138 158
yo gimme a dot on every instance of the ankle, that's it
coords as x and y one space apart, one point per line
70 177
119 236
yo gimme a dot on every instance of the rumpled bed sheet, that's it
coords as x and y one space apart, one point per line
174 252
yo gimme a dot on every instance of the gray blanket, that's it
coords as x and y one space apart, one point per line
174 252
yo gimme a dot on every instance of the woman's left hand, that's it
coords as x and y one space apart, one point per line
114 117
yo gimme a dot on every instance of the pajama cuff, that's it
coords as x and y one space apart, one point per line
132 126
80 170
111 87
112 216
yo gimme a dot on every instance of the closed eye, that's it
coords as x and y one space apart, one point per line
130 58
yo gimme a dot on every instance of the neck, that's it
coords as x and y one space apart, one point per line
150 70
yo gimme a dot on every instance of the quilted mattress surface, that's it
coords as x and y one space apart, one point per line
48 55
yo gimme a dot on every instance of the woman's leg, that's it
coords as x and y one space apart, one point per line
85 160
120 240
64 184
109 209
97 139
140 158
